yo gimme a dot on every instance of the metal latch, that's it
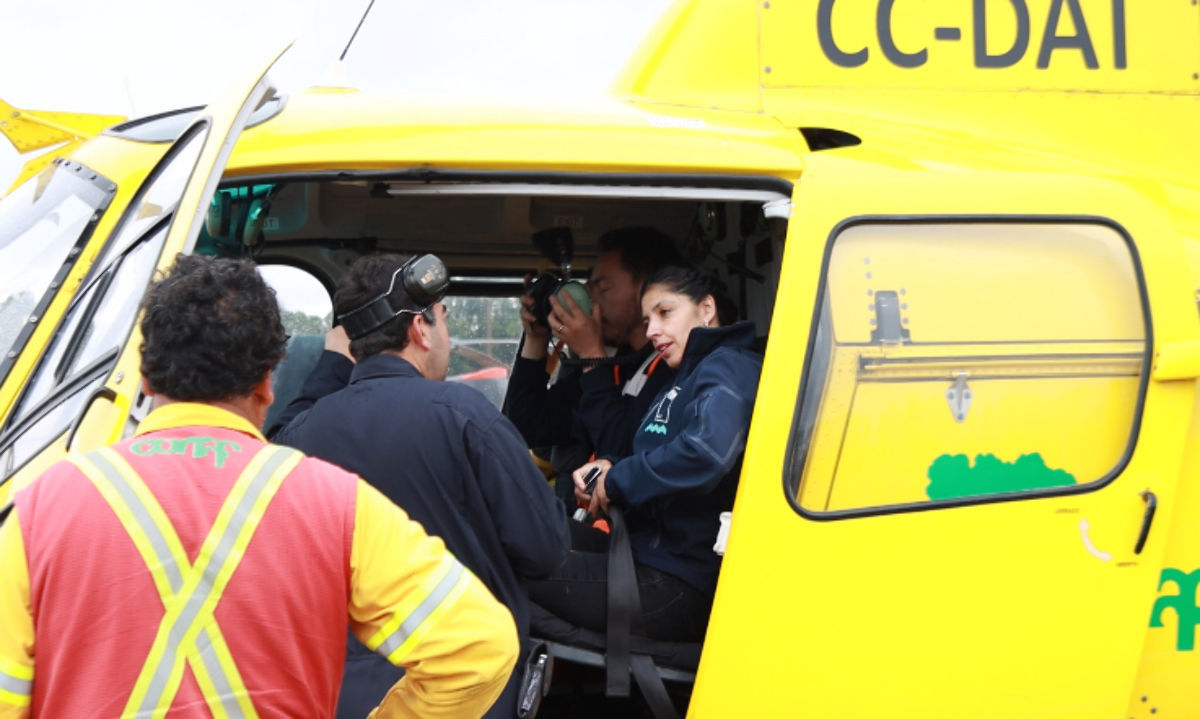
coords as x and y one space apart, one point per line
780 208
959 398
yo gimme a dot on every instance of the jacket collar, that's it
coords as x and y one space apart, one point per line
383 365
195 414
703 340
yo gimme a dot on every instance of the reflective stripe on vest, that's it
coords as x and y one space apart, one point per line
190 593
397 637
16 683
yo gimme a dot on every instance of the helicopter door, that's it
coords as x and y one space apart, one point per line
960 439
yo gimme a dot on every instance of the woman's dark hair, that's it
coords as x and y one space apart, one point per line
366 279
210 331
696 283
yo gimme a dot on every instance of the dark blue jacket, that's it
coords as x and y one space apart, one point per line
444 454
588 408
687 456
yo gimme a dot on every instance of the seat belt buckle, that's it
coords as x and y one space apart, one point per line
535 681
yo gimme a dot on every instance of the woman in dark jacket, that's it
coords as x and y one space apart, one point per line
687 455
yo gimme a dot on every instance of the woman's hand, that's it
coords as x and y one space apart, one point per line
597 501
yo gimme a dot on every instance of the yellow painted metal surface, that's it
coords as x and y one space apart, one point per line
979 96
222 122
1178 360
1104 46
30 130
1169 660
1026 607
699 54
363 131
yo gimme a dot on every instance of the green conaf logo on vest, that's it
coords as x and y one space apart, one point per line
197 447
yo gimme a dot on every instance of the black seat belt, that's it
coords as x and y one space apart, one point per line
625 621
622 594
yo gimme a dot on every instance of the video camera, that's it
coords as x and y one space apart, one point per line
557 245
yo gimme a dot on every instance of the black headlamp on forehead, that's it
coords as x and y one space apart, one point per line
422 282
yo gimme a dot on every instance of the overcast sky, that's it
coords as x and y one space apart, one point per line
137 57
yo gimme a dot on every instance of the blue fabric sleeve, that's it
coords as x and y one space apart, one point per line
531 521
331 374
608 417
544 416
708 446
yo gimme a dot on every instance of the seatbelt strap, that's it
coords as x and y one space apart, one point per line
653 689
624 622
622 594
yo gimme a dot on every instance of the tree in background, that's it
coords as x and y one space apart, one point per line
299 323
491 324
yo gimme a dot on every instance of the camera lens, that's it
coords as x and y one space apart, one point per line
541 290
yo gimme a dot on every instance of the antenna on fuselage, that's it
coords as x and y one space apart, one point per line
358 27
334 78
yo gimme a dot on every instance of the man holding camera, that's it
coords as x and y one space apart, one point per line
438 449
595 402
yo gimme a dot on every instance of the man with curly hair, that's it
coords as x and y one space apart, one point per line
197 570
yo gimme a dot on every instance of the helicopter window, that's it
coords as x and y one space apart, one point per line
45 224
956 363
83 350
484 334
156 198
304 303
307 314
166 126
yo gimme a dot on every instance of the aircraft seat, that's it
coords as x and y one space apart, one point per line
624 651
299 360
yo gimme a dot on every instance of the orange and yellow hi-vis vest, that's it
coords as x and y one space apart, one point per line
198 571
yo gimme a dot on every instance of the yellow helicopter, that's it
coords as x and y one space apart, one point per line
968 230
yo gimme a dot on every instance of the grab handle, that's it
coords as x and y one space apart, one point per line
1147 520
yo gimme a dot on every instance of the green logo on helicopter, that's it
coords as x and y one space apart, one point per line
1187 614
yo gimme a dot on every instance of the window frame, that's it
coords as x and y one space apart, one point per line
116 245
91 375
796 451
109 188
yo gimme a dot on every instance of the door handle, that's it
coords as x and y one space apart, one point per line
1147 520
101 392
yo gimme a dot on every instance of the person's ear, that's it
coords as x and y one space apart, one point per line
262 392
146 388
708 311
420 333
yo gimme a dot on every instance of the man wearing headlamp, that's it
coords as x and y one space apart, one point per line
378 407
